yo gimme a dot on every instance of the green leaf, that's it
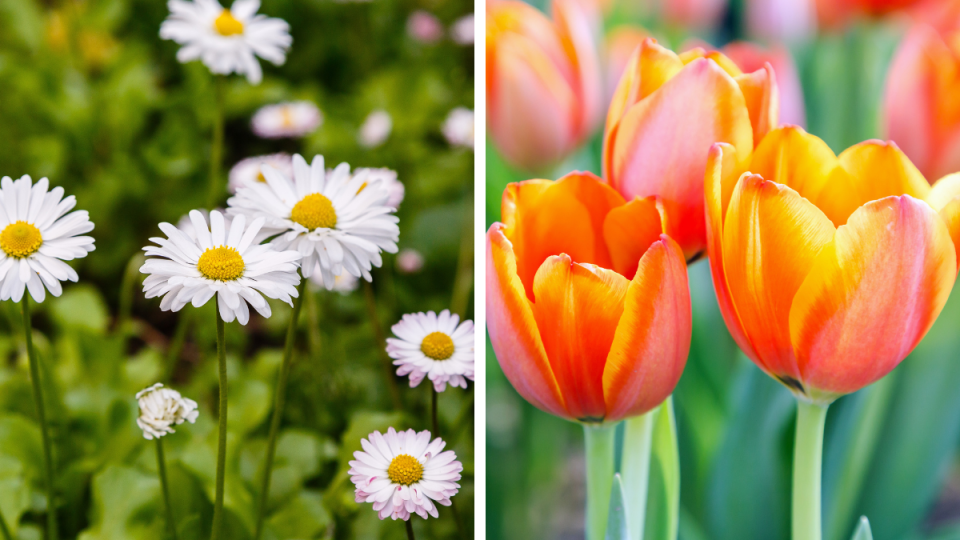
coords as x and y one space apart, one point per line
863 530
663 495
303 517
81 306
126 504
617 518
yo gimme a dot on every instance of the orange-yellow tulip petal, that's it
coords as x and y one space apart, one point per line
771 237
696 53
763 99
577 307
792 157
872 295
513 329
662 142
652 339
576 32
629 230
945 199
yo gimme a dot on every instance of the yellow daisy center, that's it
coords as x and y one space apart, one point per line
228 25
261 177
405 470
314 211
437 345
20 239
221 263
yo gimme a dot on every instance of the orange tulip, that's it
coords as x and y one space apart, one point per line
828 270
587 301
619 47
665 114
544 87
750 57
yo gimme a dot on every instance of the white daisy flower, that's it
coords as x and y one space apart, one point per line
226 40
409 261
36 236
424 27
249 168
433 346
376 129
341 220
286 120
462 30
404 472
221 261
161 409
388 180
343 284
458 127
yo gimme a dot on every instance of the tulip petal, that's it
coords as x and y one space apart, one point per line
513 329
576 28
577 309
661 144
872 295
792 157
945 199
771 237
629 230
721 60
763 100
650 347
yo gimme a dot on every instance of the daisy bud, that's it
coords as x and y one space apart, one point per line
161 408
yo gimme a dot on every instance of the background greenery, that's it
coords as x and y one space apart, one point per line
93 99
891 450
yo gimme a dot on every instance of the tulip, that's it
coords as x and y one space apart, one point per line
835 13
588 310
828 271
750 57
544 88
619 46
665 114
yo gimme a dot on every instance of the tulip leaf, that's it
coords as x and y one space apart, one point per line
617 518
863 530
663 494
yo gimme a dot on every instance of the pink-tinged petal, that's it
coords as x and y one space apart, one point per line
763 100
751 57
578 26
945 199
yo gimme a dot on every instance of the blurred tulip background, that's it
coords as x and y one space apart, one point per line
846 71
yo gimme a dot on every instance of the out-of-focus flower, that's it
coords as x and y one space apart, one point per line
376 129
36 238
458 127
340 219
828 270
750 58
690 14
404 472
781 20
424 27
409 261
344 283
249 169
222 262
836 13
666 110
161 409
922 100
588 307
433 346
462 30
386 179
621 42
544 84
290 119
226 40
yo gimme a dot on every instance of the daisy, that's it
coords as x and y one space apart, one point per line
433 346
409 261
388 179
289 119
226 40
343 284
36 236
404 472
161 408
341 220
424 27
221 261
249 168
461 31
458 127
375 129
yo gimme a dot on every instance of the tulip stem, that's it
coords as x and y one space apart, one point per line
635 469
599 440
222 430
42 417
162 472
279 400
807 461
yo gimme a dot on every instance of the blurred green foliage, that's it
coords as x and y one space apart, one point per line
93 99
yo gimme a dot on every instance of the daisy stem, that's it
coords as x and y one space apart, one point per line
279 399
162 472
216 147
381 345
42 417
176 344
599 440
222 428
433 411
4 530
463 282
409 525
807 461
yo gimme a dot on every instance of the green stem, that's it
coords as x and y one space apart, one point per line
127 292
807 461
4 530
279 399
434 424
216 147
599 441
635 469
176 343
42 416
409 525
222 428
463 282
165 486
381 345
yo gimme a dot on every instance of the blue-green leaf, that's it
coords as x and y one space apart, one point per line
863 530
617 518
663 495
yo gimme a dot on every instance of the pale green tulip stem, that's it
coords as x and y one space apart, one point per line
807 470
635 470
599 440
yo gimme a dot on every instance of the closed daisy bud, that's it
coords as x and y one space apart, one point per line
161 409
433 346
286 120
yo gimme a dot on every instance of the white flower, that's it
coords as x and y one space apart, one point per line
161 408
289 119
375 129
221 261
343 284
249 168
341 220
403 473
387 179
36 237
226 40
434 346
409 261
462 30
458 127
